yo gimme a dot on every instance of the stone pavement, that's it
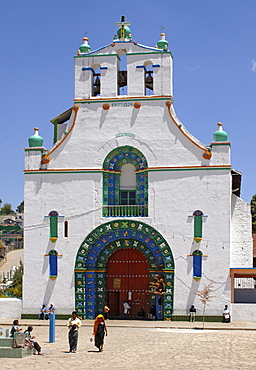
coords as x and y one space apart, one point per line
145 345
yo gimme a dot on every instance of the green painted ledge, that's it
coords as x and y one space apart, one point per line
34 316
199 318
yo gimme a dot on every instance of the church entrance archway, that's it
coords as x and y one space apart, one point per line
95 252
127 279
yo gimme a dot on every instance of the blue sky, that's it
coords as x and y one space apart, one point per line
214 48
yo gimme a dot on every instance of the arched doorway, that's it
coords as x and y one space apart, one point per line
127 279
97 248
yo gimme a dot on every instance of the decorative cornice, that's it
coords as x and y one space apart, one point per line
120 98
224 143
150 169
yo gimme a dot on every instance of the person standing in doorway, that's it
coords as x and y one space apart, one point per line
74 323
152 313
106 310
126 309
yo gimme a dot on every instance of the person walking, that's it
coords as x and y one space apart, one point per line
99 330
73 323
31 342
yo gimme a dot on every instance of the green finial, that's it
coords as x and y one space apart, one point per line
35 140
220 135
162 43
85 47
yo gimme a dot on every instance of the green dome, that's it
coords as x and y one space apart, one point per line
127 32
85 47
35 140
220 135
162 43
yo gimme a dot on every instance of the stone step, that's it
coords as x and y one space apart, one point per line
15 352
6 342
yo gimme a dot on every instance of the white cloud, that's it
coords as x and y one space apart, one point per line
254 65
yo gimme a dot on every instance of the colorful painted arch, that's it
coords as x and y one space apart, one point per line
100 244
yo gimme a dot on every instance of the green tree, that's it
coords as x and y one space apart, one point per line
253 211
7 209
16 287
20 208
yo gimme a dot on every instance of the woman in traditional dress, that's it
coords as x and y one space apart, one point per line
99 331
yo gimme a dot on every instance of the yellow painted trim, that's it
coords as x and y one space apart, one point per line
204 167
202 255
53 240
146 169
197 239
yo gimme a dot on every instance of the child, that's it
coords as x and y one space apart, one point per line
30 342
15 328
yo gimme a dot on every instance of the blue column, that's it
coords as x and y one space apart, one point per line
52 328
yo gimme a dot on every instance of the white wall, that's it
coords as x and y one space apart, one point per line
241 233
243 312
10 308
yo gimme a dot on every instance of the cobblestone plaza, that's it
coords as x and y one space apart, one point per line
143 345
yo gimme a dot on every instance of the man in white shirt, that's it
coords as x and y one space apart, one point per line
226 314
73 323
126 309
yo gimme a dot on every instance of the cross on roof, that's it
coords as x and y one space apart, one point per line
123 22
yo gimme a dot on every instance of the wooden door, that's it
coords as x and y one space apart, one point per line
127 275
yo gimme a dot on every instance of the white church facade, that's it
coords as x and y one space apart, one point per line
127 205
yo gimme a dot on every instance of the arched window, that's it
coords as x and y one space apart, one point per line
198 225
149 78
122 72
65 229
197 264
128 185
96 79
125 183
53 264
53 226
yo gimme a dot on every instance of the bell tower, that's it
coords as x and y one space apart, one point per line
123 68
